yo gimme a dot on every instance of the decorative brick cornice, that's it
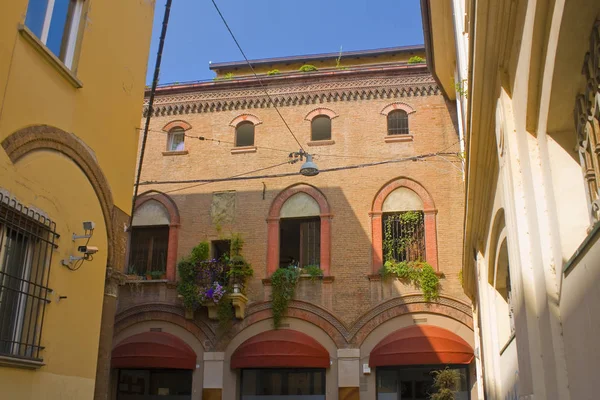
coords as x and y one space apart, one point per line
213 100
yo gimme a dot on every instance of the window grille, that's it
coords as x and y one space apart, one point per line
587 123
397 122
27 241
404 236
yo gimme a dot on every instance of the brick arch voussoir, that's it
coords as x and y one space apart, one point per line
410 304
164 313
320 111
307 312
245 118
163 199
178 123
416 187
46 137
397 106
288 192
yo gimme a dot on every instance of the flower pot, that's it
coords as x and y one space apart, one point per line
189 313
212 311
148 277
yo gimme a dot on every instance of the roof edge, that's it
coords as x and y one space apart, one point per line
321 56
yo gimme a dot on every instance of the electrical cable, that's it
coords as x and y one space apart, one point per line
255 75
239 177
161 45
206 182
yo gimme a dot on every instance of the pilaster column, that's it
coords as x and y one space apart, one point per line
109 308
348 374
431 253
172 252
213 376
376 241
272 245
325 244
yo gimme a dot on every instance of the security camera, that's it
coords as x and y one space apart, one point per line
88 226
88 249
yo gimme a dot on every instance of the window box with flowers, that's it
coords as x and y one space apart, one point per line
217 284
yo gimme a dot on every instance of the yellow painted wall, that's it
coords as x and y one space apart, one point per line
324 64
104 114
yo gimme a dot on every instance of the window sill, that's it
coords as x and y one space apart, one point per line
399 138
175 153
305 277
48 55
320 142
243 149
7 361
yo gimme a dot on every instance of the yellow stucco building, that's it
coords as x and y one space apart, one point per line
71 85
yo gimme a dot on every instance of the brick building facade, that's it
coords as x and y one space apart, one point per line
201 190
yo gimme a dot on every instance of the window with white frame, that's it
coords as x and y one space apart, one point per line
56 24
176 139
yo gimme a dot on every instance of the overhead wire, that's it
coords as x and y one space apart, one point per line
256 75
206 182
159 53
238 177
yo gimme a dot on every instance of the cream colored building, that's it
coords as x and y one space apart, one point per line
71 85
531 258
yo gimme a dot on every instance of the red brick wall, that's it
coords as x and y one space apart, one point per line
358 132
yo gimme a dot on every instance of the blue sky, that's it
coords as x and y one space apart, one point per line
276 28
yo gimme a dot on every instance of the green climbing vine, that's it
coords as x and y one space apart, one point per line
283 288
417 272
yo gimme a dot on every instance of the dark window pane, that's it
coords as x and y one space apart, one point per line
244 134
397 122
321 128
148 249
299 241
36 12
261 384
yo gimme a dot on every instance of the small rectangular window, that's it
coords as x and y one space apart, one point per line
56 24
148 249
220 249
176 140
26 247
300 242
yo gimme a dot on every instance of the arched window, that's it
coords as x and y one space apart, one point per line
244 134
403 222
176 139
397 122
299 229
153 237
321 128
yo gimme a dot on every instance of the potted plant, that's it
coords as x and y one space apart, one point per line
155 275
132 273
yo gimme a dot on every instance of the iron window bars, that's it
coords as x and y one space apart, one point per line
27 241
397 122
404 238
